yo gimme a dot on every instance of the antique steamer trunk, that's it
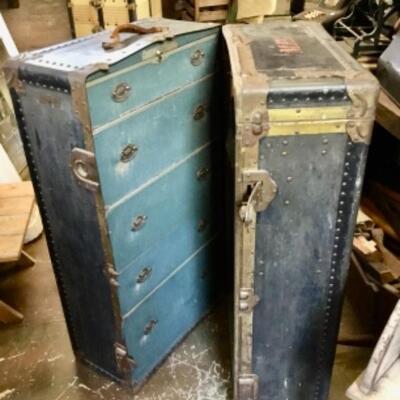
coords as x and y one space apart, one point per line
124 157
304 111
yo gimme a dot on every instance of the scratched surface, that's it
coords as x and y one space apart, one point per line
37 363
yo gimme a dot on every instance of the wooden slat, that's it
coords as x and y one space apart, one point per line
12 225
388 114
10 248
218 15
212 3
16 206
20 189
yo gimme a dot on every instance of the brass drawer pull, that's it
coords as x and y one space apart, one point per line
199 112
138 223
144 275
150 327
121 92
202 173
128 153
197 57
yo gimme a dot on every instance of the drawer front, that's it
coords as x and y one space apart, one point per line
158 208
157 324
160 260
147 81
147 142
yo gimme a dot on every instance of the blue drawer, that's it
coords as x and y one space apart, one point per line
147 141
183 298
160 205
149 80
160 260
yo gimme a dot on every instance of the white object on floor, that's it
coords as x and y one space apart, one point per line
8 174
381 379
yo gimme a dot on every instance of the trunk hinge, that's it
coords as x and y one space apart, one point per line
125 363
83 164
260 190
248 300
248 387
257 125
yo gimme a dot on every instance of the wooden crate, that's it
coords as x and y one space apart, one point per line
205 10
84 17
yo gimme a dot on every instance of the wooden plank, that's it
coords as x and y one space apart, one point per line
217 15
10 248
9 315
388 114
212 3
12 225
20 189
16 206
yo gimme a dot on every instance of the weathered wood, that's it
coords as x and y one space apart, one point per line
9 315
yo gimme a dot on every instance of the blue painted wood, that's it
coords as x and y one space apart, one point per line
162 258
166 203
163 133
150 79
176 307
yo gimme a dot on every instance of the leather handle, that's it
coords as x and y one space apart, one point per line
127 28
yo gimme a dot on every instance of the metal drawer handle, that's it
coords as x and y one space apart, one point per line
138 223
202 226
144 275
199 112
202 173
121 92
197 57
129 153
150 327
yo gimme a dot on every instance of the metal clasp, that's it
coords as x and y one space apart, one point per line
248 387
260 189
83 165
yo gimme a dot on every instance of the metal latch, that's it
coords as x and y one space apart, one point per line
260 191
124 361
83 165
248 387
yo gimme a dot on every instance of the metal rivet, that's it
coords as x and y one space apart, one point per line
324 152
128 153
325 141
284 153
289 179
138 222
287 202
285 142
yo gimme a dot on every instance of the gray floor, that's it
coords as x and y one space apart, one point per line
36 361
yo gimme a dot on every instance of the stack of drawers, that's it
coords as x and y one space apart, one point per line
123 148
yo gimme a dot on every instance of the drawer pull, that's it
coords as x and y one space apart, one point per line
144 275
202 173
138 223
150 327
199 112
197 57
129 153
121 92
202 226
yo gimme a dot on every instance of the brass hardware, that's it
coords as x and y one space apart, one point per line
128 153
123 359
150 327
202 226
202 173
248 387
138 223
84 168
247 300
121 92
262 191
197 57
199 112
144 275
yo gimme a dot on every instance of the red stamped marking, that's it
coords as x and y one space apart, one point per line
288 46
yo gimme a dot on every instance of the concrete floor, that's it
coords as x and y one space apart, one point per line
37 363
